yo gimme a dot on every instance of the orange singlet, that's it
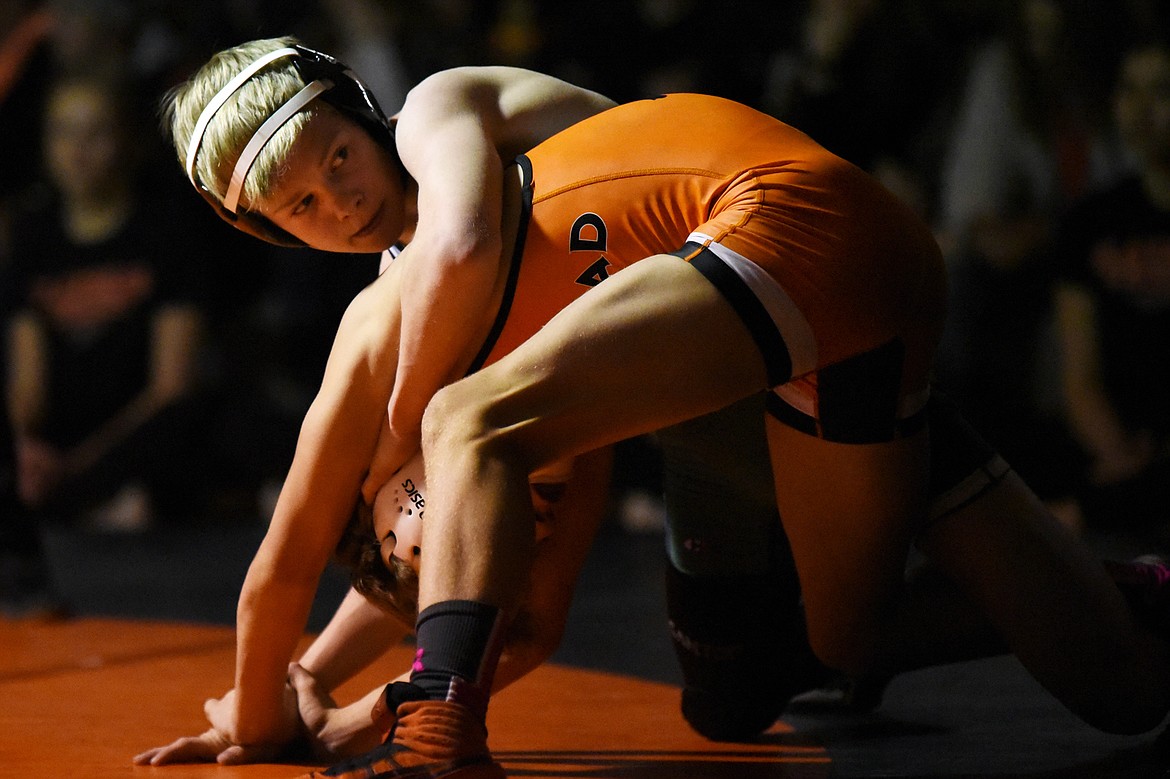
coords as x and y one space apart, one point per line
841 285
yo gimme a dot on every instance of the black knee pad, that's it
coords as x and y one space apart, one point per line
743 648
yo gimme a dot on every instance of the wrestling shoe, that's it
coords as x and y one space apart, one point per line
430 740
1145 583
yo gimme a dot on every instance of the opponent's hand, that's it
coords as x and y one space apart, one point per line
334 732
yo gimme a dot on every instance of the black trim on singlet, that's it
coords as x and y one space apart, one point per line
763 330
797 420
513 270
833 428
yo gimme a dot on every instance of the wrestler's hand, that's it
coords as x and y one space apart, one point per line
204 748
213 746
334 732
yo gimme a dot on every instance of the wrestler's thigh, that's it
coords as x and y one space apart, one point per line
651 346
849 511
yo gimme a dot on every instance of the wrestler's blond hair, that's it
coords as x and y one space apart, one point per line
238 119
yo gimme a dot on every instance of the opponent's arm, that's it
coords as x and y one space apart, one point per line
574 516
357 635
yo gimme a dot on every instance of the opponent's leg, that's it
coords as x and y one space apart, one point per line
1056 607
1011 578
654 345
848 511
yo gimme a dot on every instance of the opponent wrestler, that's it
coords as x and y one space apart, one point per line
862 374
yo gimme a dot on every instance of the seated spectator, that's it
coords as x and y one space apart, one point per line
1113 306
1027 141
105 336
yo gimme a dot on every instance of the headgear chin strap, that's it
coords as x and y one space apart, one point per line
324 77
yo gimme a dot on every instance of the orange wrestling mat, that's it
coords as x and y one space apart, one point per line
81 697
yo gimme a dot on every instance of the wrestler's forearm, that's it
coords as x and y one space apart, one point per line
270 619
445 295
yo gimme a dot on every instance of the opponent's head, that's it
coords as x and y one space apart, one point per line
388 582
239 129
399 507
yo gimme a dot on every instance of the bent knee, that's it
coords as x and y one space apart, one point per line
454 417
464 422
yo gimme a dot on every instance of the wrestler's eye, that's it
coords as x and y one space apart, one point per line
302 205
340 156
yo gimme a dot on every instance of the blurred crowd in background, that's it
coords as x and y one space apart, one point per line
157 364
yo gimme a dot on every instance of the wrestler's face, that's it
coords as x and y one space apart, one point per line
340 191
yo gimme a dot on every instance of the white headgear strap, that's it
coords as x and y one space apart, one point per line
264 135
221 97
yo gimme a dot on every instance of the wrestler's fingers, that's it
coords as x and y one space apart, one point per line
144 758
219 713
189 749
